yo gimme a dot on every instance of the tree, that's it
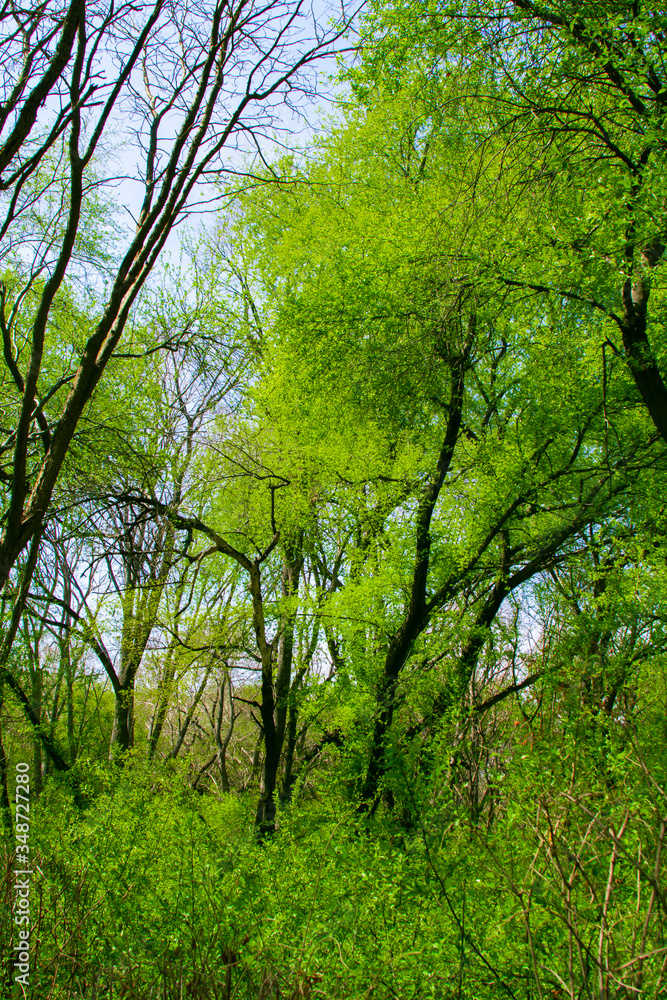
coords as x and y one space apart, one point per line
482 434
190 82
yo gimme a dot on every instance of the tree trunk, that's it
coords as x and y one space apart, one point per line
288 777
416 613
122 732
275 697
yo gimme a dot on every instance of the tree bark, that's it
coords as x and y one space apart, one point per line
639 355
275 696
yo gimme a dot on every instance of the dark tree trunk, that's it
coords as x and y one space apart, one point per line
288 776
275 696
417 614
122 732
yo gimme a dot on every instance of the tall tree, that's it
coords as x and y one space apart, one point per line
482 438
